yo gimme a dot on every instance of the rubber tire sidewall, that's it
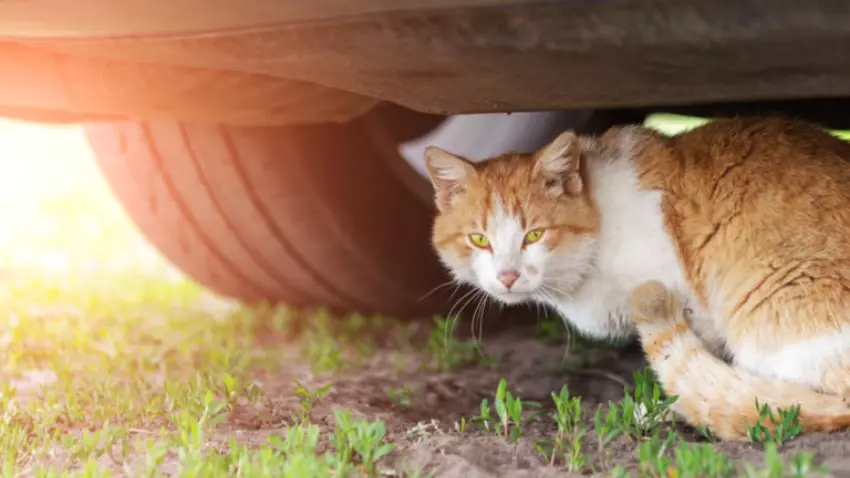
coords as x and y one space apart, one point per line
308 215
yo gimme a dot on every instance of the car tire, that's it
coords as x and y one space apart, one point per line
323 215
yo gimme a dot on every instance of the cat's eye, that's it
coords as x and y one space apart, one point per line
479 240
533 236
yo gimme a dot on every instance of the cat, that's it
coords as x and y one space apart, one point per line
740 223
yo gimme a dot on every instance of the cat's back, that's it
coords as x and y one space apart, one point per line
757 205
764 169
757 155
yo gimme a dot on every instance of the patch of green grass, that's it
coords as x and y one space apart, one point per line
706 433
355 446
360 438
552 329
663 453
688 461
417 473
460 425
673 457
145 377
308 398
485 418
509 417
400 396
449 353
785 425
642 412
115 364
800 465
566 447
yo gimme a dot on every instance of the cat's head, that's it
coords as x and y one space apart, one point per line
519 226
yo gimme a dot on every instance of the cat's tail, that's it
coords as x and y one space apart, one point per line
712 393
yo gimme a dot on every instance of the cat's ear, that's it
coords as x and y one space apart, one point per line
449 174
558 164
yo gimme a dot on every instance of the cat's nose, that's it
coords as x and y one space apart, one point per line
508 278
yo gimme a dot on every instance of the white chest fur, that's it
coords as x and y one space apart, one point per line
633 247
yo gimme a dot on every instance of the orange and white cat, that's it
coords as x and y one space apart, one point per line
730 242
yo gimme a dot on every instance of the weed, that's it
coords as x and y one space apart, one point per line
400 396
417 473
607 425
367 439
508 420
300 439
460 426
307 398
322 350
509 411
340 439
644 410
403 334
154 455
652 407
653 456
641 413
620 472
484 418
702 460
356 444
799 466
449 353
552 329
572 427
785 424
359 331
706 433
688 460
297 449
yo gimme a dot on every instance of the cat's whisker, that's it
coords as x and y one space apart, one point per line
478 316
543 293
475 313
481 322
556 291
569 337
457 302
560 280
444 284
474 316
454 291
451 315
476 298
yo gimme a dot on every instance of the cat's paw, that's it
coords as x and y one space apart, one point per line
651 302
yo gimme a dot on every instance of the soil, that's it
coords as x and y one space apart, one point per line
424 430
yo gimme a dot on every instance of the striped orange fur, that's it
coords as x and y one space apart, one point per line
711 392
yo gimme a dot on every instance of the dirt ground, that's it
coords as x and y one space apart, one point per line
424 429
